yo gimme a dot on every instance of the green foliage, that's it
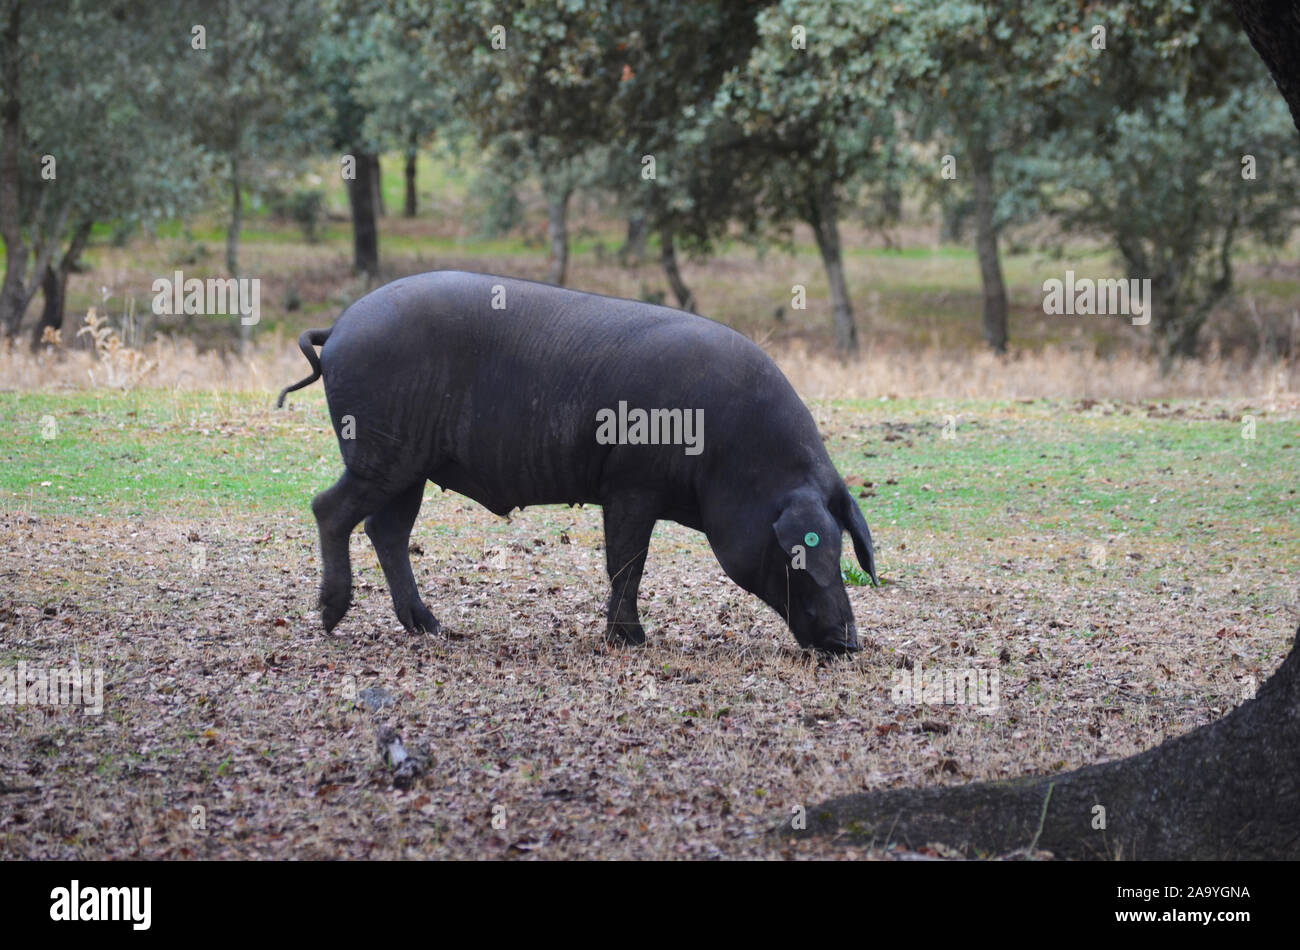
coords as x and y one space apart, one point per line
496 190
987 91
1139 140
405 102
304 206
93 122
815 118
853 575
244 98
1155 157
345 48
549 84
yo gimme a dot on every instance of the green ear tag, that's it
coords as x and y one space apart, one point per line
811 539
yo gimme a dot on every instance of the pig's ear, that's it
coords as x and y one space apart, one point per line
803 531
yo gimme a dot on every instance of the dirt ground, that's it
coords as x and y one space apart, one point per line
232 727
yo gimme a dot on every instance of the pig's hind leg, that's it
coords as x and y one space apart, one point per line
390 532
339 509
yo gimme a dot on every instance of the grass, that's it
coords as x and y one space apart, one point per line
947 467
151 453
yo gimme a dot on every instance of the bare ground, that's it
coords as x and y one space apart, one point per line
228 709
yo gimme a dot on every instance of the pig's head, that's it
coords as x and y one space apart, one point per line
800 575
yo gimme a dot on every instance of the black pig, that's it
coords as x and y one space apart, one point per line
516 393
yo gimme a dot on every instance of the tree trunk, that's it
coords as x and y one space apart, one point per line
365 232
377 182
236 221
1176 321
952 220
822 218
668 258
13 295
557 231
891 204
986 248
54 287
1229 790
54 284
1170 325
632 253
1179 342
409 207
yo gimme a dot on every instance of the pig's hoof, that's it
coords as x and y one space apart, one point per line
419 620
332 611
625 634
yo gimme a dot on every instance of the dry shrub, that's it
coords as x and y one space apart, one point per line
120 366
165 362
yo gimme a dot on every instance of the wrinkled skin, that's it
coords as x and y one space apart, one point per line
500 404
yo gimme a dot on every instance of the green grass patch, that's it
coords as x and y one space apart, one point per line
961 472
156 453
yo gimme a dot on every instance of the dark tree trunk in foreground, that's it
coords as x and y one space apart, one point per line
1274 30
361 201
986 248
408 208
1228 790
822 213
557 232
668 258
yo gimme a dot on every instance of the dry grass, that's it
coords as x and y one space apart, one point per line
163 363
1054 372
